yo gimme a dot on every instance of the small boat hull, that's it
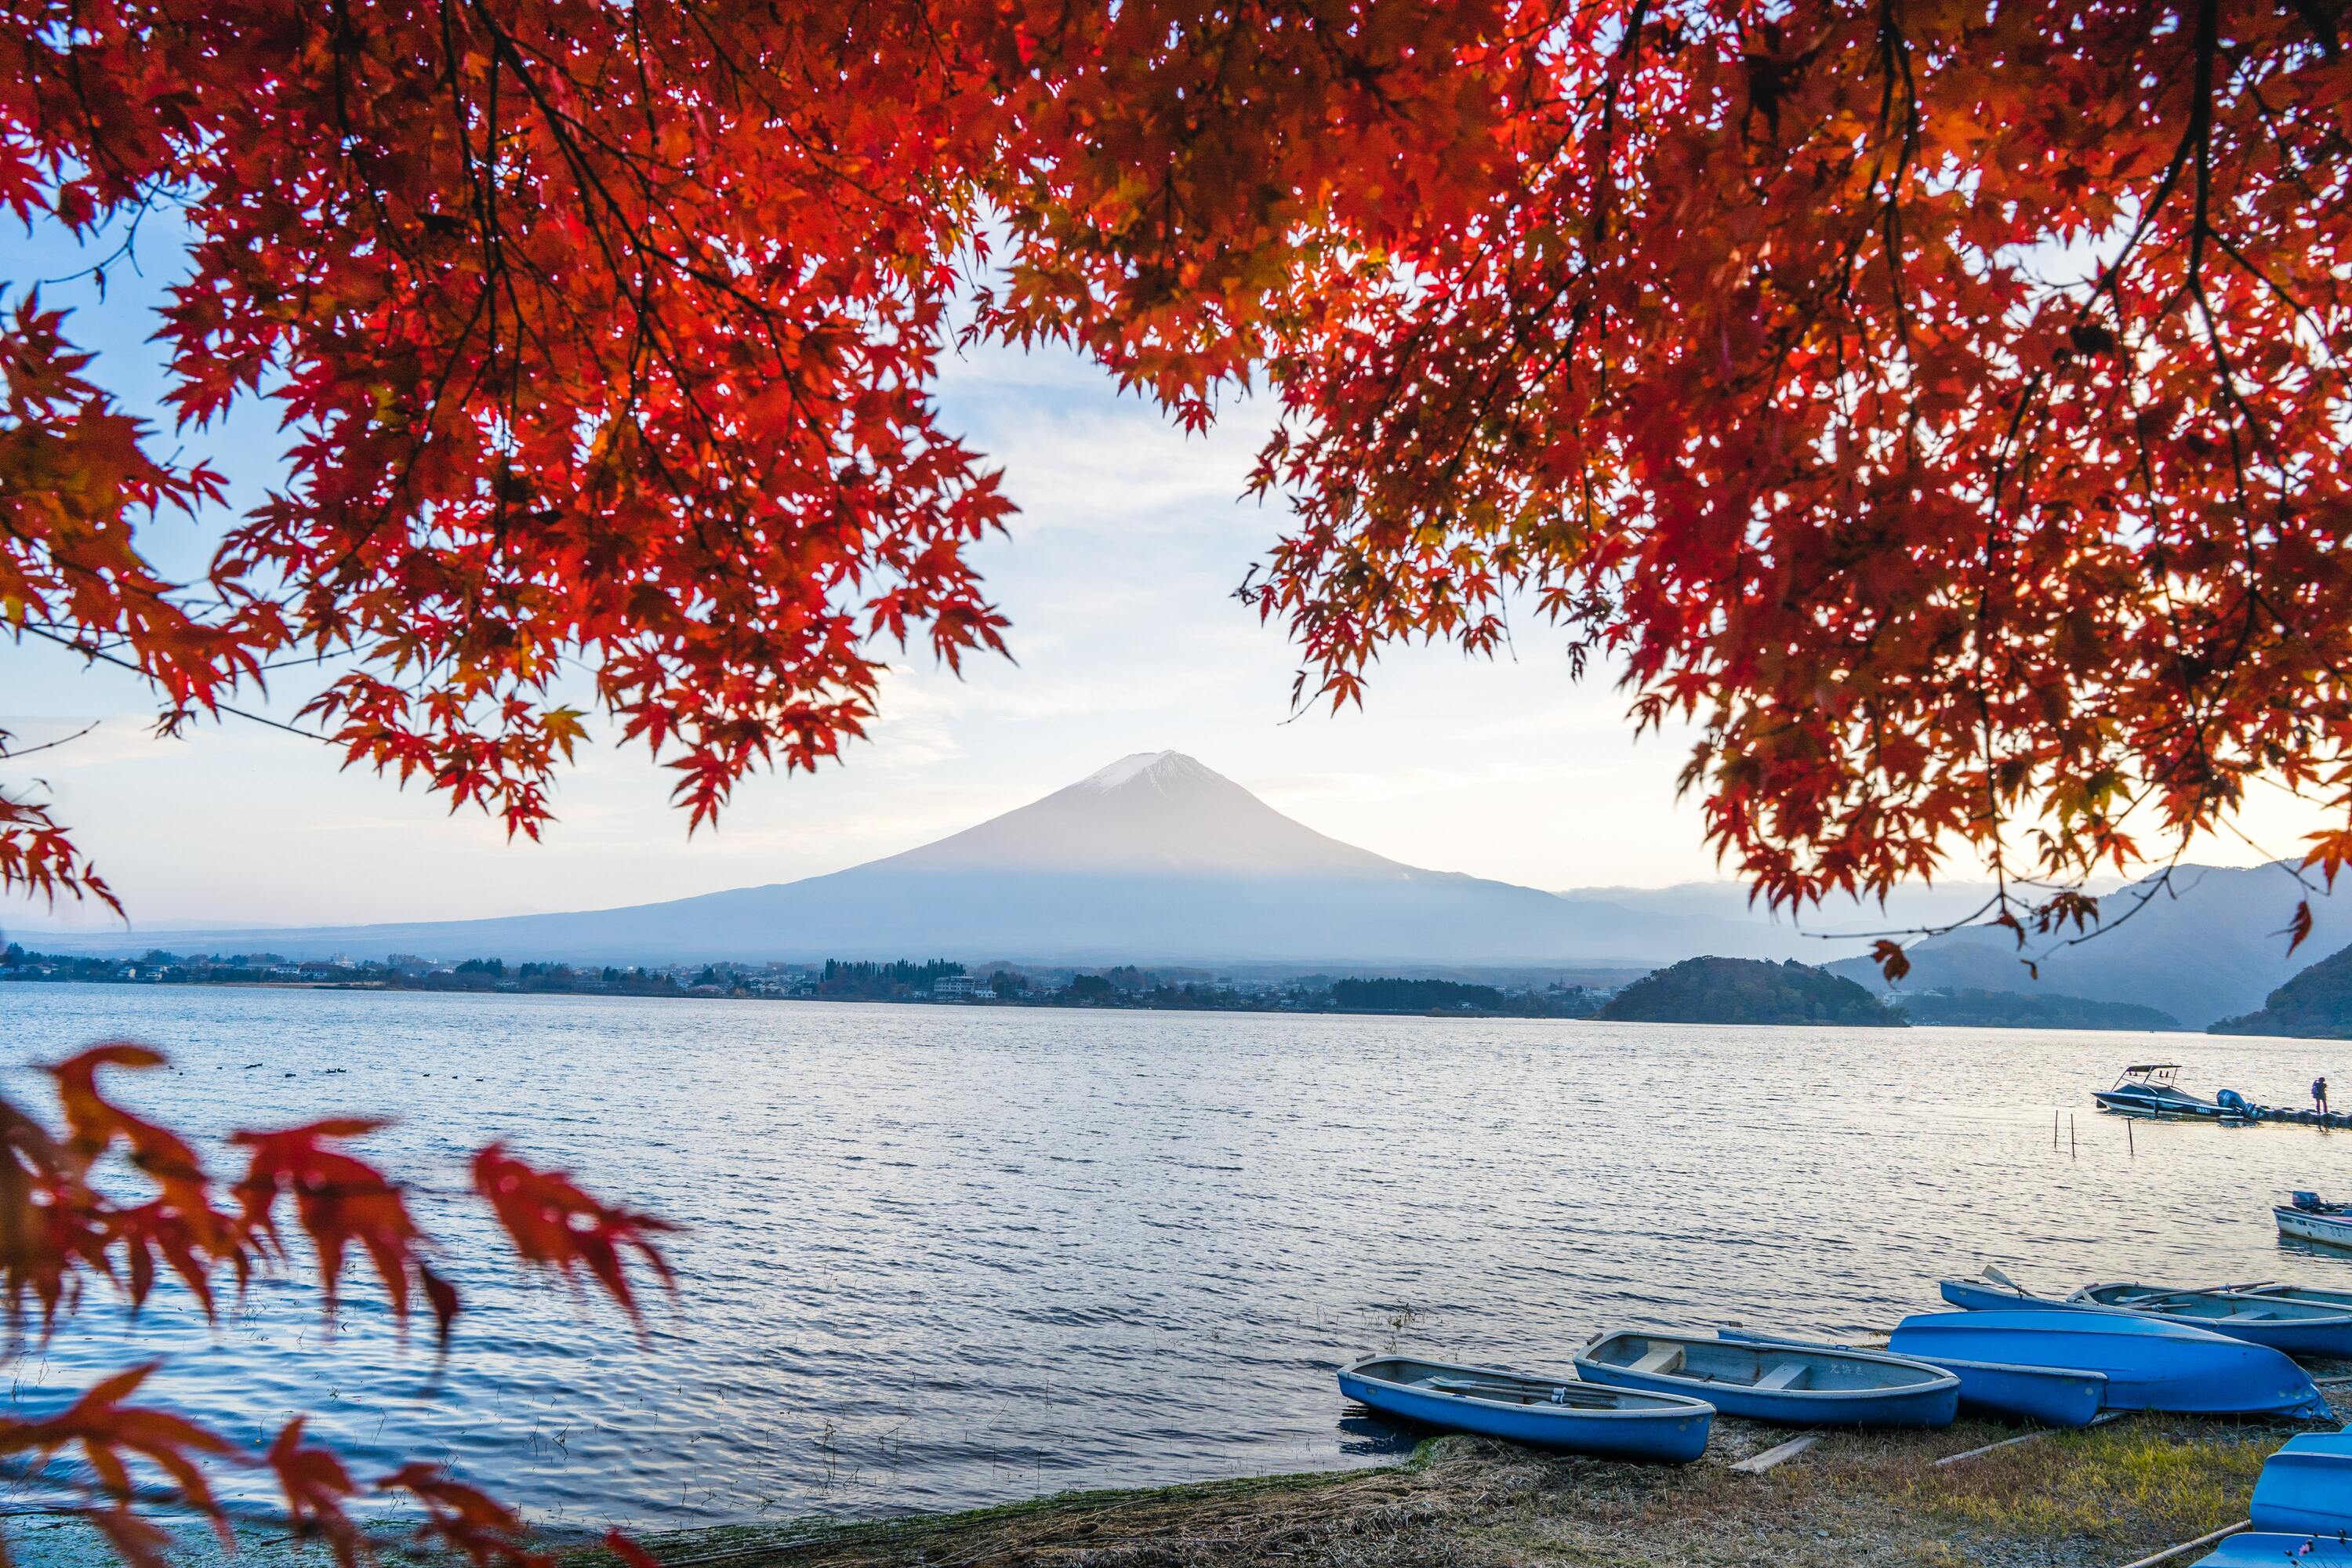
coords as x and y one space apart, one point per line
2148 1090
2122 1103
2149 1365
1609 1421
2269 1549
2054 1395
2340 1300
1976 1296
1786 1380
2307 1487
2300 1328
2333 1230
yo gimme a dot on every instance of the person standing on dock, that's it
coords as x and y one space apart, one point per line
2319 1093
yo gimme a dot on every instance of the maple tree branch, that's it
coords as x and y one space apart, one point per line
11 754
99 655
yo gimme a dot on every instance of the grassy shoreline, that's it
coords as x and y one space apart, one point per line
2080 1500
2094 1499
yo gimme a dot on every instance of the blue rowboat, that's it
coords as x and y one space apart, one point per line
2267 1550
1786 1380
2298 1328
2149 1365
2307 1486
2055 1396
1550 1412
1983 1295
2311 1295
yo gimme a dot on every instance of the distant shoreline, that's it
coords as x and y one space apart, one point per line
1297 1003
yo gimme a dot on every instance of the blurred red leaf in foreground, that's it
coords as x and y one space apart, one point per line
556 1225
60 1229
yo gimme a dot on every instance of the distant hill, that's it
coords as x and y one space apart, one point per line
1747 991
2315 1005
2029 1010
1154 859
2209 947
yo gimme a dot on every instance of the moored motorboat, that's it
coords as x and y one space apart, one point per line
2308 1219
2298 1328
1581 1417
2307 1486
2151 1365
1787 1380
2149 1090
2054 1395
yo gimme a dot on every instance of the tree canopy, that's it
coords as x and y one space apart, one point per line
1944 404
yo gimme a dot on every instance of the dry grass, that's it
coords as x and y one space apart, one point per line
2085 1500
2118 1481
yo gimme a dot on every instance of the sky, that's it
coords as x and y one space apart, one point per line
1118 575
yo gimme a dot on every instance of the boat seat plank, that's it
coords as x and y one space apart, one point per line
1662 1361
1482 1390
1783 1374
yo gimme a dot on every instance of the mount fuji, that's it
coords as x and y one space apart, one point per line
1154 859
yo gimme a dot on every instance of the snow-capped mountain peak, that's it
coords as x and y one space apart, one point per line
1140 765
1153 811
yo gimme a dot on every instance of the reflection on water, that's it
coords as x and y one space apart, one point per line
947 1256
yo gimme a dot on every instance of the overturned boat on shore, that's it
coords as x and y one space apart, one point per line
2149 1365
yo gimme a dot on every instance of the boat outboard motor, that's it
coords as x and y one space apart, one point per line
2308 1202
2231 1100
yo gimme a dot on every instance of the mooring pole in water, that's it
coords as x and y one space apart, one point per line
2129 1143
2054 1127
2073 1152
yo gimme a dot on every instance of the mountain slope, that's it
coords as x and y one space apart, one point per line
2209 947
2315 1005
1154 859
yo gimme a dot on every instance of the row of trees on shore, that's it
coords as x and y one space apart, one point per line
936 979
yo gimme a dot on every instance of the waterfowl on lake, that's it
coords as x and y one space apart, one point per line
1777 1380
1582 1417
2150 1364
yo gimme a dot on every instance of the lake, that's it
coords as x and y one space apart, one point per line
938 1256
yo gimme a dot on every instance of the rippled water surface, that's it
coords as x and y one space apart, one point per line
944 1255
